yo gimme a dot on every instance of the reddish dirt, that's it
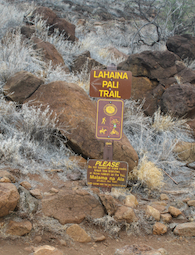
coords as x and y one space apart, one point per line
173 245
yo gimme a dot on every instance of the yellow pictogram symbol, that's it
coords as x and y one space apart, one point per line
115 122
103 120
110 109
103 131
114 132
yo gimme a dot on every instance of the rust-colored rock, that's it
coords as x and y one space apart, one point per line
70 206
150 211
4 173
185 229
27 31
191 203
182 45
159 229
157 65
76 115
125 213
131 201
19 228
85 62
175 212
78 234
36 193
166 217
159 205
9 198
164 197
49 52
54 22
179 99
110 203
21 86
26 185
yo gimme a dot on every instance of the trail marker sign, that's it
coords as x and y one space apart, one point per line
110 84
109 119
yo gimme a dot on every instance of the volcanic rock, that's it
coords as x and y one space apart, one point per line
70 206
21 86
19 228
49 53
125 213
54 22
179 99
78 234
8 199
159 229
185 229
182 45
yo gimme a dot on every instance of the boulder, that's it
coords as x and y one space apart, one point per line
78 234
21 86
49 53
182 45
76 115
85 62
70 206
156 65
19 228
53 21
185 229
9 198
179 99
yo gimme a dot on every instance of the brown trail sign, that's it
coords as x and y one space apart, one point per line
110 84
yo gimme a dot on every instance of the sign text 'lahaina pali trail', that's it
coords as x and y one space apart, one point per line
109 119
110 84
105 173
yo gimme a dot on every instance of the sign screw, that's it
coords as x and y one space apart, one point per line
110 102
108 136
110 89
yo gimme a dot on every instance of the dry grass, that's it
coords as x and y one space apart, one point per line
167 122
148 173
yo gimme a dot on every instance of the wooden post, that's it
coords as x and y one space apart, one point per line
108 146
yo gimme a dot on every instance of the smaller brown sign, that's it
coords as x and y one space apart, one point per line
109 119
110 84
105 173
